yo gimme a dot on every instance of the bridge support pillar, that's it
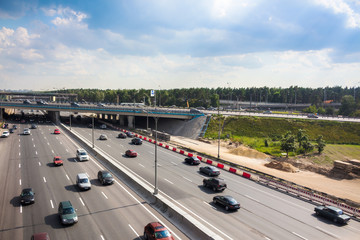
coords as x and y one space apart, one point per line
130 121
122 120
54 116
113 118
1 113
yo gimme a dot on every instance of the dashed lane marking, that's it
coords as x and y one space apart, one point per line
104 195
44 179
82 201
168 181
51 202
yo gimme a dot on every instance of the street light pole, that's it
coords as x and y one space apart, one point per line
93 145
70 121
219 130
156 173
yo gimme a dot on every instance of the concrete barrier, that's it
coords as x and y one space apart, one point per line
193 228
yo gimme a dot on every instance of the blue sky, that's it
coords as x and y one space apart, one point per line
46 44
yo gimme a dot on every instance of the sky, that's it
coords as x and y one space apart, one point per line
160 44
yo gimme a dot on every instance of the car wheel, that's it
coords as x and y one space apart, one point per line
317 213
226 208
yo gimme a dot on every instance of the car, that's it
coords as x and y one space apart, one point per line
11 130
26 131
103 137
131 153
210 170
136 141
105 177
58 161
14 127
216 184
40 236
82 155
67 213
83 182
56 131
74 104
27 196
90 125
156 230
192 160
312 116
41 102
103 126
26 102
122 135
267 112
226 201
130 134
101 105
333 213
33 126
5 134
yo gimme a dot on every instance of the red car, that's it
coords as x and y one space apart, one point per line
56 131
131 153
58 161
156 230
40 236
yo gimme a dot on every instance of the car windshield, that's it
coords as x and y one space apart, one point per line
162 234
232 201
84 180
106 175
69 210
83 153
28 193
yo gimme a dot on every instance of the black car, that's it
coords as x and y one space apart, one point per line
26 102
210 170
192 160
33 126
333 213
122 135
130 134
75 104
216 184
136 141
105 177
27 196
11 130
227 201
14 127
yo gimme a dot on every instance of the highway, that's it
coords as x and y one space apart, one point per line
264 214
105 212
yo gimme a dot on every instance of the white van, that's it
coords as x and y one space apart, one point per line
83 182
82 155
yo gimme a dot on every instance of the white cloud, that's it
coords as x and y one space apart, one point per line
66 16
343 7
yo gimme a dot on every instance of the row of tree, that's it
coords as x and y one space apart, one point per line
304 145
206 97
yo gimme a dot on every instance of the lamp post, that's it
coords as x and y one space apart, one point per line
93 127
70 121
156 173
219 130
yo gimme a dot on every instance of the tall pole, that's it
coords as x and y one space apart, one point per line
93 144
147 120
156 173
219 130
70 121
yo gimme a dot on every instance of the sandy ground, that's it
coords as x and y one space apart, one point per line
346 189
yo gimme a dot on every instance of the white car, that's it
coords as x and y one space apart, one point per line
103 126
26 131
5 134
82 155
103 137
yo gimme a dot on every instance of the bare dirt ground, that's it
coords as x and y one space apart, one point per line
346 189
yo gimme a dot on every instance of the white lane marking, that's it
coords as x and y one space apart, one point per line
19 145
20 208
40 164
104 195
36 152
174 163
67 177
60 142
19 153
102 237
20 182
48 143
108 145
209 205
66 150
34 145
252 198
298 235
32 139
52 151
187 179
89 134
44 179
82 201
267 238
327 232
19 140
19 165
52 205
141 165
121 145
141 204
168 181
134 231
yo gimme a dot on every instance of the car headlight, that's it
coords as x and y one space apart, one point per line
75 219
65 220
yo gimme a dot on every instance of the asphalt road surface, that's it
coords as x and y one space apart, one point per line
105 212
265 213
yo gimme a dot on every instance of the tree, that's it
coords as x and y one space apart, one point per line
307 145
300 136
330 111
320 144
288 143
348 105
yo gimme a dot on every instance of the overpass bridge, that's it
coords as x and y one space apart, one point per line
113 112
